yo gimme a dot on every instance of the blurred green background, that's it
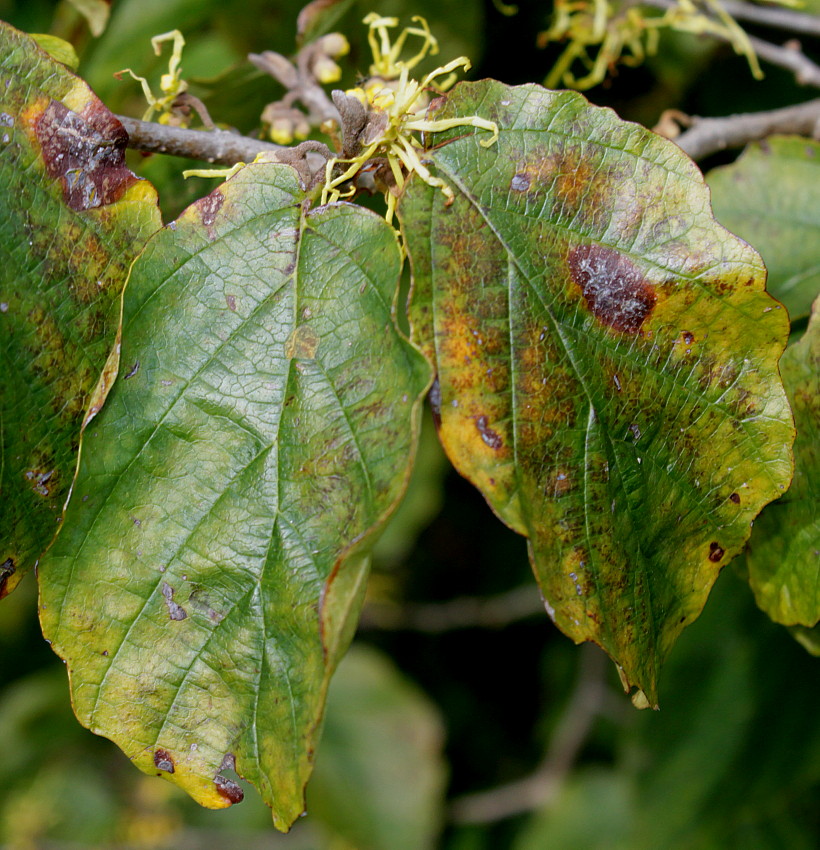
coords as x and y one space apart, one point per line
461 719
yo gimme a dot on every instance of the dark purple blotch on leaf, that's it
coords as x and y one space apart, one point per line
7 570
229 789
613 287
491 438
86 152
163 760
716 552
175 611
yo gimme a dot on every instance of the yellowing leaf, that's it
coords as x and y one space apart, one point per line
606 358
213 557
72 219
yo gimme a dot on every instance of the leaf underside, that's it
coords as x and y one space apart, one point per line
214 553
72 219
606 358
784 551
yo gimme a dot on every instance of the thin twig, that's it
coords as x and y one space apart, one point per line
710 135
790 57
298 79
541 788
466 612
777 17
217 146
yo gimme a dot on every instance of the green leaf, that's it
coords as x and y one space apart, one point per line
423 500
214 554
57 48
732 761
735 754
72 219
771 198
379 780
606 356
96 13
809 639
784 551
594 811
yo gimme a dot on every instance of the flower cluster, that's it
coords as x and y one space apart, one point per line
601 34
171 84
393 107
315 64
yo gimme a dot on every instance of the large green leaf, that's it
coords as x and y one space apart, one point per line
784 552
606 356
214 554
771 197
380 776
71 221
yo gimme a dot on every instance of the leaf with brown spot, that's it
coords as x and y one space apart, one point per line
229 491
73 218
784 551
606 358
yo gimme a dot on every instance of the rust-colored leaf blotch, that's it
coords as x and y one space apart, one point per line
86 152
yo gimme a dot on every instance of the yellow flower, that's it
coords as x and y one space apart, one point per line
391 93
171 84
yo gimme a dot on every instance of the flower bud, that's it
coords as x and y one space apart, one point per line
301 128
326 70
281 131
334 44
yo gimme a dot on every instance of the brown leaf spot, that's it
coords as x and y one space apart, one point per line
209 206
735 498
520 182
43 481
7 570
175 612
228 762
613 287
574 179
436 103
229 789
200 601
435 402
559 484
302 343
688 337
715 552
490 437
163 760
85 152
